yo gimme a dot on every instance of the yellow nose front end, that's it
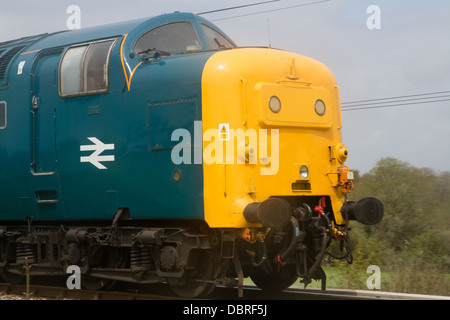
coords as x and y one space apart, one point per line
271 128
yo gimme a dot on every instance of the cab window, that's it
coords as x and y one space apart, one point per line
173 37
85 69
215 39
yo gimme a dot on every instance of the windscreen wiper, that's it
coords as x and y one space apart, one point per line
161 52
221 46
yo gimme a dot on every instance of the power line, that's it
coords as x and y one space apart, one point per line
352 108
396 101
346 106
273 10
237 7
398 97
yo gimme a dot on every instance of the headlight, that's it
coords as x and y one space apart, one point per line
320 108
342 152
274 104
304 172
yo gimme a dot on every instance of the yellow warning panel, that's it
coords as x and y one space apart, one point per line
224 129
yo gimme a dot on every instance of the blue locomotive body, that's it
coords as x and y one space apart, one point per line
46 136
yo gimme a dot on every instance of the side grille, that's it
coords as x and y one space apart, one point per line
6 59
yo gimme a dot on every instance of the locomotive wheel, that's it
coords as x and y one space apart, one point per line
106 260
94 283
12 277
276 281
194 287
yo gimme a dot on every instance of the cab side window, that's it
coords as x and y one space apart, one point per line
84 69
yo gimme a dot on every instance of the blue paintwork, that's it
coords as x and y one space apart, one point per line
164 95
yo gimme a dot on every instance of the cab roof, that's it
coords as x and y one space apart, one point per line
65 38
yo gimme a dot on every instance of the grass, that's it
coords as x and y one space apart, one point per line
338 278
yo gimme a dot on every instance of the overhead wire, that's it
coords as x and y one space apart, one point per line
392 105
398 97
273 10
237 7
396 101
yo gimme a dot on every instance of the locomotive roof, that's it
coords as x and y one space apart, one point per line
64 38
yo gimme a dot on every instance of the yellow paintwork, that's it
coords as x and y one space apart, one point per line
122 59
236 87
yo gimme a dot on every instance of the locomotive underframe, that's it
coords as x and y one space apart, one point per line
126 253
191 257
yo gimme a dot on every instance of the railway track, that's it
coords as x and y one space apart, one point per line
62 293
344 294
222 304
298 293
161 292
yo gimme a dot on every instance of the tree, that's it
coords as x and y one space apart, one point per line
412 242
409 198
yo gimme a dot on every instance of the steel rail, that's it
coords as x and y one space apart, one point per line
61 293
346 294
251 292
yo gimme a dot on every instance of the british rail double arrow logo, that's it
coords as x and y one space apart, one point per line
95 158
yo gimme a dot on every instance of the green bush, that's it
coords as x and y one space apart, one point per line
411 245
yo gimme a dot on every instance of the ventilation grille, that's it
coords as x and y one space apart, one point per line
6 59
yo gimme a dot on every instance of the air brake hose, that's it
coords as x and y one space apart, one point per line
282 257
321 253
295 233
319 256
348 250
263 258
346 238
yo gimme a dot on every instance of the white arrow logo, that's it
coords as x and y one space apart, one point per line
98 147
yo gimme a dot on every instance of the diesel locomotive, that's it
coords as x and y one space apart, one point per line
157 151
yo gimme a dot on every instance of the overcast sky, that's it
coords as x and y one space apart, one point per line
408 55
